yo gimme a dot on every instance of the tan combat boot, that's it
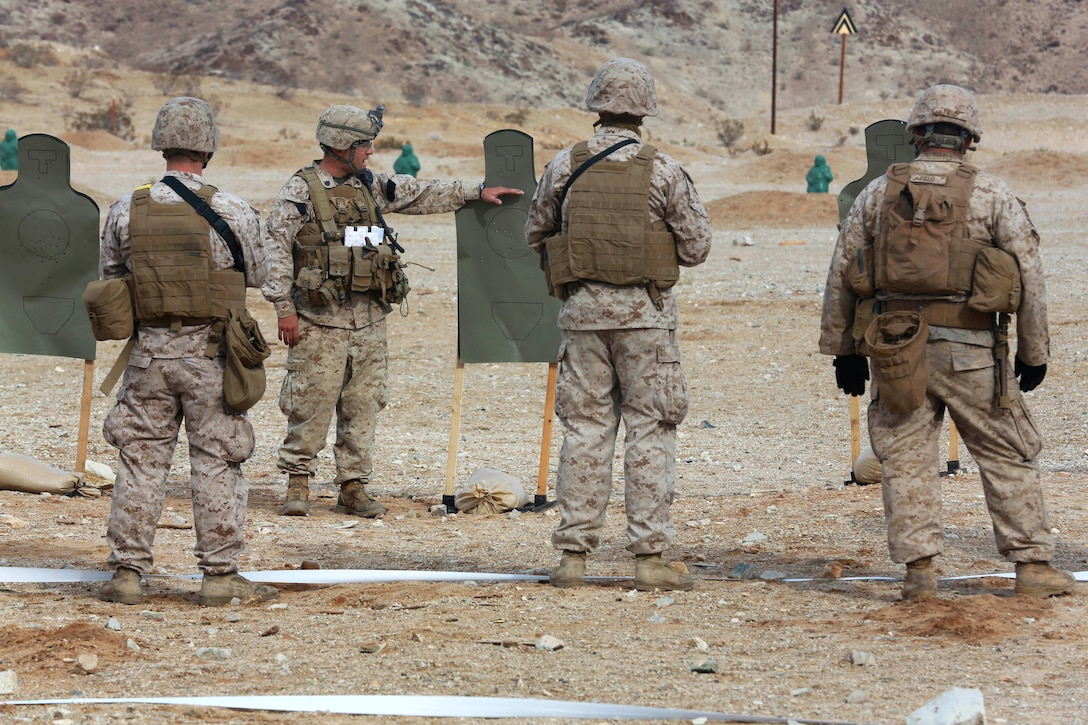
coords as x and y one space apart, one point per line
355 501
219 589
123 588
652 572
1040 579
571 571
921 579
298 494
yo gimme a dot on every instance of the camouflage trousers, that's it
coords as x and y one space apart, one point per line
144 426
604 377
334 370
1004 443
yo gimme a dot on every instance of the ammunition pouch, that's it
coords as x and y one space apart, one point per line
995 285
555 261
380 271
895 342
316 288
109 307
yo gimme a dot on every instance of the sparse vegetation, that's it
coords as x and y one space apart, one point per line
730 130
11 90
760 148
178 84
814 122
75 82
517 117
112 118
28 55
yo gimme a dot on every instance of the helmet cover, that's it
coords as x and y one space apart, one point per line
623 86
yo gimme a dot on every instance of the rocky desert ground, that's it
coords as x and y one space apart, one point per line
763 457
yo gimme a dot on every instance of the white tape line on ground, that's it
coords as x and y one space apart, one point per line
18 574
433 706
1081 576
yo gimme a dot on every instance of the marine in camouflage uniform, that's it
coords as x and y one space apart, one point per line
619 357
961 370
337 357
170 378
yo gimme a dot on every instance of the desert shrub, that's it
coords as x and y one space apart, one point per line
28 55
11 90
177 84
730 131
112 118
815 123
760 148
517 117
76 81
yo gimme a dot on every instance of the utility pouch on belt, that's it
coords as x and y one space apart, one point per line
895 342
109 307
379 270
860 274
244 374
995 285
556 265
315 287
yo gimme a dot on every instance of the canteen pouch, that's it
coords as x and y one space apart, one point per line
244 374
109 307
315 287
895 342
995 284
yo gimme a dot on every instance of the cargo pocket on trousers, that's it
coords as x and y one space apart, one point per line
670 391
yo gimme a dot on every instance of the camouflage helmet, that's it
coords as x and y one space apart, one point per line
623 86
946 103
185 123
341 126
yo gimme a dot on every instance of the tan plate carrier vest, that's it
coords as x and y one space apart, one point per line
325 268
174 282
609 236
922 259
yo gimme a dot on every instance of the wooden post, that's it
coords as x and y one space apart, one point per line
455 436
842 66
546 437
774 66
855 431
953 448
84 416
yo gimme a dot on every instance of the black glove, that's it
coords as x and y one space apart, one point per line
1030 375
851 372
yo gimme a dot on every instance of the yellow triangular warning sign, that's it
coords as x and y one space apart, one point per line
844 25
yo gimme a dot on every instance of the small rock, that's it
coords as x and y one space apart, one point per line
132 646
274 629
149 614
743 571
831 570
705 665
772 575
9 682
307 565
213 653
113 624
373 648
87 663
699 644
955 706
549 643
801 691
439 509
754 538
234 617
278 605
15 522
656 619
664 601
862 659
857 697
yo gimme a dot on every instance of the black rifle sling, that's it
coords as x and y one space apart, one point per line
218 223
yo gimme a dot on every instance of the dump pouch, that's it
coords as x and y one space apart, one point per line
895 342
995 285
246 350
109 307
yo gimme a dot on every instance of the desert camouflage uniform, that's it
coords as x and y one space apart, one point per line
341 358
1005 443
169 378
619 359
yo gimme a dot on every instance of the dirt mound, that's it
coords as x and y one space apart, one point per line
776 209
1040 169
976 619
95 141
